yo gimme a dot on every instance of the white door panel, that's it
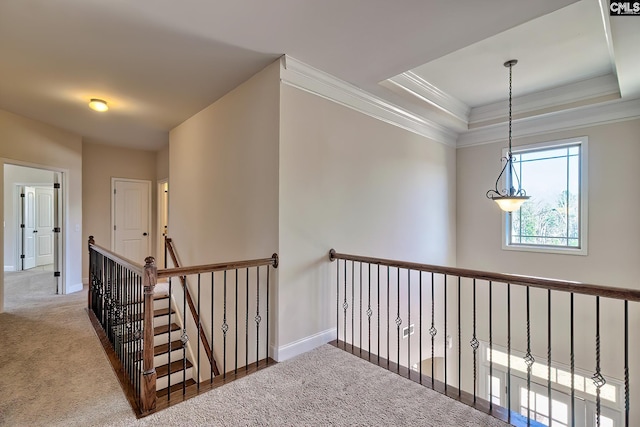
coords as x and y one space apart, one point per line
131 219
44 225
29 230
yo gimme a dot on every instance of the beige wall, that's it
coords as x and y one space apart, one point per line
361 186
162 163
223 194
14 176
613 245
34 143
100 163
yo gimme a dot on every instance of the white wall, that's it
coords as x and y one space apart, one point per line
361 186
614 250
25 141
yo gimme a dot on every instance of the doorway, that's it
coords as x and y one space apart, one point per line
32 232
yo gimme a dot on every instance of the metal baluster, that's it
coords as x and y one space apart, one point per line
626 363
445 334
432 331
549 392
246 326
573 367
378 311
345 305
338 301
529 360
267 309
360 306
490 345
235 371
199 332
353 339
408 323
184 338
598 379
474 345
388 314
509 352
398 319
257 318
168 340
459 342
420 322
225 328
213 290
369 312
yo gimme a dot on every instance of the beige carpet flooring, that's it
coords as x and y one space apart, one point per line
53 372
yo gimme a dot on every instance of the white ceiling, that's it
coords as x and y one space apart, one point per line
158 62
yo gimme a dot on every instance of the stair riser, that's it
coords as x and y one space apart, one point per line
175 378
163 359
163 338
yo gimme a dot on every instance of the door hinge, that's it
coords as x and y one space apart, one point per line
21 225
114 191
56 274
56 230
21 194
22 256
114 228
56 185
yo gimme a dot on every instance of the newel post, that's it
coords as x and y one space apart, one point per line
148 389
89 293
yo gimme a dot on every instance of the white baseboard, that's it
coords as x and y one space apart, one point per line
9 268
303 345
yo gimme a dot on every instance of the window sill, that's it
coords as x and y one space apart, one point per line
546 249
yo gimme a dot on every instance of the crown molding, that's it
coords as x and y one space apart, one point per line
581 117
422 89
572 93
297 74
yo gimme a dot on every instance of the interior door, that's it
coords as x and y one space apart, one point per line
131 219
44 225
29 230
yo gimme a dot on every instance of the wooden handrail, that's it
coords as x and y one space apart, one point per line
534 282
127 263
208 268
194 313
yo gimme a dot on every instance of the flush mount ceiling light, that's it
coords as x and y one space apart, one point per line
98 105
510 198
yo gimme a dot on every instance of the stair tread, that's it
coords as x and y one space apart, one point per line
161 349
175 387
162 312
163 329
177 366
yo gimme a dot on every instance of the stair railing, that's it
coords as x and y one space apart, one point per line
169 250
121 308
409 317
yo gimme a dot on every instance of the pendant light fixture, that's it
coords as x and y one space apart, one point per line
510 198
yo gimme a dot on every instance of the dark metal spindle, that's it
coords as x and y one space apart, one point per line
549 392
168 341
626 363
445 333
420 322
474 344
369 313
398 319
598 379
432 331
490 345
199 332
184 338
235 371
378 312
459 342
360 307
266 357
408 323
573 366
529 360
224 328
509 352
257 318
388 315
246 326
338 301
345 305
213 290
353 329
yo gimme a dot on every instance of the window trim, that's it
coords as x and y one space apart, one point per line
584 201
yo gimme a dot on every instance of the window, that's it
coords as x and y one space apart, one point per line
554 218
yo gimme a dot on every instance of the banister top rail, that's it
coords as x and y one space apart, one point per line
535 282
131 265
208 268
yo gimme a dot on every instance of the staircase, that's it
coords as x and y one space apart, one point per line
168 346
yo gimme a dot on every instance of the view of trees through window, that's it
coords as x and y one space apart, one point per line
551 217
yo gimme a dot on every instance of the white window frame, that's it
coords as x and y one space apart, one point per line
584 201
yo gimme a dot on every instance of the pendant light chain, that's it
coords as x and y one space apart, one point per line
510 94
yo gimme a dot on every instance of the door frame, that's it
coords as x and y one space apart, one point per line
61 211
160 230
19 187
113 210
